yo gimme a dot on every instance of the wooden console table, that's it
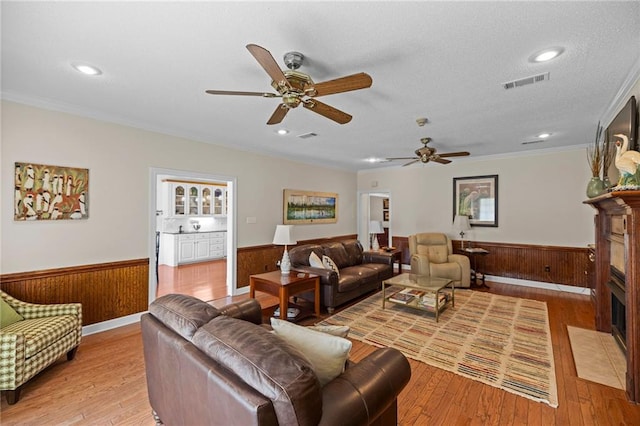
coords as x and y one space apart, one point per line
617 253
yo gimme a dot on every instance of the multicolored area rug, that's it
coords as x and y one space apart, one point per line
498 340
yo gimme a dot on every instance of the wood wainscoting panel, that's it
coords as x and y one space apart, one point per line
106 290
567 265
551 264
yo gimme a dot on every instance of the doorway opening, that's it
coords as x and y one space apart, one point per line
374 207
192 236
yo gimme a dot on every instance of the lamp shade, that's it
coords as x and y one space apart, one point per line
461 223
375 227
283 235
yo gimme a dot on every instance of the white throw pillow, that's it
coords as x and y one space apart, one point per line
326 354
334 330
315 261
330 264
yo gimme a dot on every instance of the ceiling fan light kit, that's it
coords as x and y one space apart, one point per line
295 87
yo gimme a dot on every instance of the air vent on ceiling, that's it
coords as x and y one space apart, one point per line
307 135
527 80
530 142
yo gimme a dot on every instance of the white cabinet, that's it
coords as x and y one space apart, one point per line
178 199
186 248
192 199
202 246
217 245
177 249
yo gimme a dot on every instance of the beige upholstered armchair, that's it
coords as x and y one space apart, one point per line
432 254
32 337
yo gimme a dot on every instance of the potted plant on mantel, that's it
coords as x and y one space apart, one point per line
595 156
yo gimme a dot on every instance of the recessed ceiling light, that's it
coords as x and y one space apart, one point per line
282 131
546 54
86 69
544 135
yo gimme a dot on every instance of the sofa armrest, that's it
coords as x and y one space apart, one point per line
35 310
327 276
420 264
248 310
465 267
365 390
12 355
377 257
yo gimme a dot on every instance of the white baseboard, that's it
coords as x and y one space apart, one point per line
242 290
108 325
539 284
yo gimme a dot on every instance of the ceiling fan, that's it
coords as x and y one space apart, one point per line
295 87
426 154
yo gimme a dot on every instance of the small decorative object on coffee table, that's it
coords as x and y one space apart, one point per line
421 292
284 286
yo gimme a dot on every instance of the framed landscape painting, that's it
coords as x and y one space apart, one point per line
477 197
303 207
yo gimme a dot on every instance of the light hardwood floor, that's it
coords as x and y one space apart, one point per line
105 384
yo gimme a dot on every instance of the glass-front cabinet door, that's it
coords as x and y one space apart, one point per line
194 199
179 200
217 201
206 201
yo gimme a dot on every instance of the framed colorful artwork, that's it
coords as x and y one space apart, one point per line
477 197
304 207
45 192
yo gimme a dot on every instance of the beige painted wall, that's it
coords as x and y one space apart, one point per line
119 160
539 197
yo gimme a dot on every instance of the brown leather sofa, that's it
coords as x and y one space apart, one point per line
360 271
208 366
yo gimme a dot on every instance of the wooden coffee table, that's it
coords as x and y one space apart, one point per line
285 286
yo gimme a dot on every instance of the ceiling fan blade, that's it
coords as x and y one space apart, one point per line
265 59
402 158
327 111
410 162
230 92
343 84
455 154
278 114
440 160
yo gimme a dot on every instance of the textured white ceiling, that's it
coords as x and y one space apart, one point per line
442 60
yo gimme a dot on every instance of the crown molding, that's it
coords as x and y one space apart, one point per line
622 96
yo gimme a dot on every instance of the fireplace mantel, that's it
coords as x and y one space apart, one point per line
618 244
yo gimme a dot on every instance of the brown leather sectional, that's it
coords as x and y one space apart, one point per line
360 272
207 366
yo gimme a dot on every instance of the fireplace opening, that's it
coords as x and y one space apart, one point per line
618 308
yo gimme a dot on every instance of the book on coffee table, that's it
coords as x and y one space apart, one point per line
401 297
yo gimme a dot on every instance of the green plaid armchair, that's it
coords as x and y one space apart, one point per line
37 338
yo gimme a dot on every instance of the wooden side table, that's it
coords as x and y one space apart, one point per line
473 253
285 286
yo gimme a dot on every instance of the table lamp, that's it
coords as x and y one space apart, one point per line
375 228
283 237
461 223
